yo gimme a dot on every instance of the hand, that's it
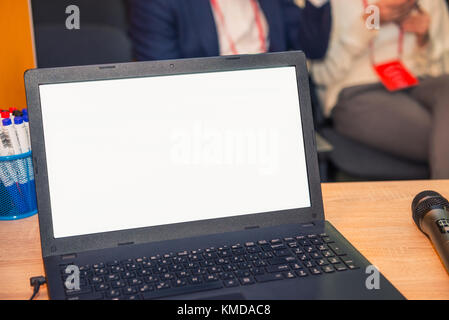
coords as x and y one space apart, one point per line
394 10
419 24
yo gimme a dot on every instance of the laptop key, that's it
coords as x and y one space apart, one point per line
242 273
128 275
179 283
303 257
322 247
114 293
277 268
257 271
83 268
309 264
151 279
301 273
333 260
327 254
129 290
245 265
145 288
226 276
163 285
279 246
336 249
350 263
96 280
206 286
295 266
118 284
289 275
247 281
101 287
315 271
253 249
322 262
328 269
231 283
340 267
260 263
269 277
210 278
281 253
316 255
87 296
116 269
309 249
98 265
328 240
135 282
101 272
112 277
195 280
78 292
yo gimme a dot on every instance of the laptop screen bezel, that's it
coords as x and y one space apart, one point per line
56 246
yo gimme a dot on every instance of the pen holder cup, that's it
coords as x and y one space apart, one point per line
17 188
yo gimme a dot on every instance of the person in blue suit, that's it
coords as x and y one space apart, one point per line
172 29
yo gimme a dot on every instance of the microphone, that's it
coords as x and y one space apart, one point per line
431 214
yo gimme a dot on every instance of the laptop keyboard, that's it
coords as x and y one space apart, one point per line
211 268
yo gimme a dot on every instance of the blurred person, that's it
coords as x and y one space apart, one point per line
172 29
409 119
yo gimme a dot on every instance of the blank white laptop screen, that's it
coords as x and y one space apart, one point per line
151 151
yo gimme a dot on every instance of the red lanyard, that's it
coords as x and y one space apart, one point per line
263 46
400 40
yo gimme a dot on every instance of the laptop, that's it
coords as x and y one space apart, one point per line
186 179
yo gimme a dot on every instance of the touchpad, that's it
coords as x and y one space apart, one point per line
229 296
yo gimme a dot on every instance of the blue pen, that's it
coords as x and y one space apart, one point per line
27 128
23 173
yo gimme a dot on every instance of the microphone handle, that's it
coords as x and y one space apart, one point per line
435 225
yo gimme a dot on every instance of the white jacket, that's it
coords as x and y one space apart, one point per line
347 62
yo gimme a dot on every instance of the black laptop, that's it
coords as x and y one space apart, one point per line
186 179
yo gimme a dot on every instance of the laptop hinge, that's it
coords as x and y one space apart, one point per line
68 256
125 243
308 225
251 227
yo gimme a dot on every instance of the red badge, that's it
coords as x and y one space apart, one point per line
395 76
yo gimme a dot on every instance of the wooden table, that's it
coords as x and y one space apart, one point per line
374 216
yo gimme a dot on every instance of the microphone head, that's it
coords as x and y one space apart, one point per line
424 194
424 202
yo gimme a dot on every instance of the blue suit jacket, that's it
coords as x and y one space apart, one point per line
172 29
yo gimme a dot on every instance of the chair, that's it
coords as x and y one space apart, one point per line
355 161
